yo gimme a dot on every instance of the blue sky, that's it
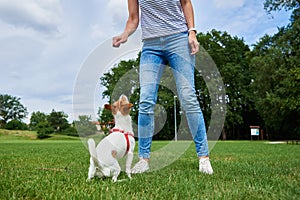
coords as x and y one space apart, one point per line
43 43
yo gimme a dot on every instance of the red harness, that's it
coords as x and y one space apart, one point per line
126 134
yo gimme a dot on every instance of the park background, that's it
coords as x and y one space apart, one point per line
261 82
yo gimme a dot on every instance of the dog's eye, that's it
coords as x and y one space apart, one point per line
114 109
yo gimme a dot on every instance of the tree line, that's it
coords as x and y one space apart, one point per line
12 112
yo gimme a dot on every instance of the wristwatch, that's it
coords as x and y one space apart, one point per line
192 29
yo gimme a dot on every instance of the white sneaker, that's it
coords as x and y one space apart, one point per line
205 166
140 167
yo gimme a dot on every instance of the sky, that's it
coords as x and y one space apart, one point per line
44 43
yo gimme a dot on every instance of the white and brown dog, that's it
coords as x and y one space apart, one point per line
120 142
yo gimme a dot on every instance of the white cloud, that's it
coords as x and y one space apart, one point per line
228 4
245 19
39 15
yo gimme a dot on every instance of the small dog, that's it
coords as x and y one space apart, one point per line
120 142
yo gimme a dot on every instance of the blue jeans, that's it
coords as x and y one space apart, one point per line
156 53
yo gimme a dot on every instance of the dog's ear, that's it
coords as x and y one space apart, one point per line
107 106
130 105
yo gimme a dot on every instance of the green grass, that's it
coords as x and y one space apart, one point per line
57 169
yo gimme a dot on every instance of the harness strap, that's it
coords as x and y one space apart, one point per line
121 131
127 143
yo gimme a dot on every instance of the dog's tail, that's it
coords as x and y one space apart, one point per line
92 148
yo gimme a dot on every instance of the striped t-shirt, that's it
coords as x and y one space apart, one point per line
161 18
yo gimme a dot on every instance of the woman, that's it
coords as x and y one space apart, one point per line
169 36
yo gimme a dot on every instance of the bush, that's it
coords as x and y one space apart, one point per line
86 130
16 125
71 131
44 129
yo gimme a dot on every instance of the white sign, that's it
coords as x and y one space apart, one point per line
254 131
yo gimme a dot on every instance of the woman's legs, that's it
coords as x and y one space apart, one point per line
176 51
151 69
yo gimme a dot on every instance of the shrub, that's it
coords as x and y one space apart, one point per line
44 129
86 130
16 125
71 131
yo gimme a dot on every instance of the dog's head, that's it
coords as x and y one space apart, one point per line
122 105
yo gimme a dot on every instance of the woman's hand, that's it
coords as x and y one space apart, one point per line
118 40
131 25
194 44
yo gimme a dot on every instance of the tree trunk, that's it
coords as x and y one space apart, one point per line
223 134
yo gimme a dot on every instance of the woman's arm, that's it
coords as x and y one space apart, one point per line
131 25
188 12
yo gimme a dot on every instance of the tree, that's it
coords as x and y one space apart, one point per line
230 55
122 79
84 126
71 131
275 62
36 118
105 116
276 5
58 120
44 129
11 108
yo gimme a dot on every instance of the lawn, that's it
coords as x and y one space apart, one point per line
57 169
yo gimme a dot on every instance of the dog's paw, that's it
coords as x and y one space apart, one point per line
114 179
88 180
